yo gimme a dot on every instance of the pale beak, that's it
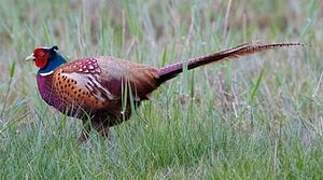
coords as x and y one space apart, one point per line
31 57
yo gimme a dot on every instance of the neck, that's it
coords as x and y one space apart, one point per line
53 63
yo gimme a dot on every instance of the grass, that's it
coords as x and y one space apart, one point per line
256 118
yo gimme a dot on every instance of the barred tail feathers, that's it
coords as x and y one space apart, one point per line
168 72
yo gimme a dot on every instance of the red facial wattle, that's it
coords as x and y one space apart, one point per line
41 62
41 57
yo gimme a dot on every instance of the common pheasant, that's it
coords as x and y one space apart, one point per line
101 91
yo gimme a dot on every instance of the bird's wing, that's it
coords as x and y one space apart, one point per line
79 83
97 83
116 73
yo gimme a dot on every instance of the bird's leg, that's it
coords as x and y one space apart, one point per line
84 136
102 128
104 131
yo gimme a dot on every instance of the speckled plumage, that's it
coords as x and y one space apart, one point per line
94 86
97 88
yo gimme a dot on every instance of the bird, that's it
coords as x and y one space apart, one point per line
102 91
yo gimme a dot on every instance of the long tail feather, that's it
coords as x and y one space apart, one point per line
171 71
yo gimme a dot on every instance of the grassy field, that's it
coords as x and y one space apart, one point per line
257 118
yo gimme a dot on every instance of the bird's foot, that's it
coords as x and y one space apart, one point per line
84 136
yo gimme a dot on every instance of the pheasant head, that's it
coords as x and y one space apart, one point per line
46 59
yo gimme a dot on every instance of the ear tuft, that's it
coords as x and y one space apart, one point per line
54 48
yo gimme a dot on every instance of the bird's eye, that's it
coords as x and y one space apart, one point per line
41 53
